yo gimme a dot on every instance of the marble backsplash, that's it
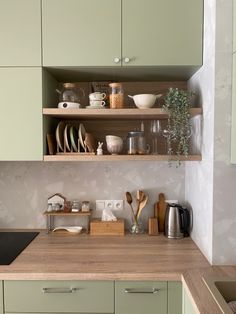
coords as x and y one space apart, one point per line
25 186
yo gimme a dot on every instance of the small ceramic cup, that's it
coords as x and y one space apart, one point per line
97 103
97 96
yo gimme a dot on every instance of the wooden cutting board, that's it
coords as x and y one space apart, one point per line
160 211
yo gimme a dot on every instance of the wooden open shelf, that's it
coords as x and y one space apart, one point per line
112 114
76 157
50 216
67 214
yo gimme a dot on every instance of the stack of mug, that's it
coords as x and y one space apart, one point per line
96 100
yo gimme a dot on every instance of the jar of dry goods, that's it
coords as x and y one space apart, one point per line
116 96
136 143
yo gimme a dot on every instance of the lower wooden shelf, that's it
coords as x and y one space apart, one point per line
51 215
76 157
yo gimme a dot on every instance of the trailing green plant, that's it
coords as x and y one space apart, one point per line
178 132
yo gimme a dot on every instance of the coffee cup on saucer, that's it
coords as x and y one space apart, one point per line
97 103
97 96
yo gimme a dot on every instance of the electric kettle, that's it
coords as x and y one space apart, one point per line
177 221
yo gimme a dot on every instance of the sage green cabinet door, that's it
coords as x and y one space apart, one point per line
174 297
139 297
20 33
188 307
233 127
59 296
21 114
162 32
81 32
1 298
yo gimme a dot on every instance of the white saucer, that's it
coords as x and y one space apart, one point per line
95 107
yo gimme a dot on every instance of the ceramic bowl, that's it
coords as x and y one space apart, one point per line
114 144
144 101
114 149
113 138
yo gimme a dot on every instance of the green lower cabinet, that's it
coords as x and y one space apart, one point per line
188 307
21 113
59 297
1 297
174 297
140 297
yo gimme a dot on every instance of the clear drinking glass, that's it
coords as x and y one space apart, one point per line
155 132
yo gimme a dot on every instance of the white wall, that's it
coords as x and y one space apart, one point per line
199 175
224 217
211 185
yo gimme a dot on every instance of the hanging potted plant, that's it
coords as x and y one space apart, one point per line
178 132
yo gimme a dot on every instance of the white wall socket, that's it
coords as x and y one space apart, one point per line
111 204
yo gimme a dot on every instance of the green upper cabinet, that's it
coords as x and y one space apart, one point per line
81 32
1 298
20 32
162 32
21 113
122 32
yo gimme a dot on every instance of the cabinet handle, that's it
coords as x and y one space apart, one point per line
133 290
127 60
59 290
116 60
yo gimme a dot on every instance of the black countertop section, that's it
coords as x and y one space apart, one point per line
12 244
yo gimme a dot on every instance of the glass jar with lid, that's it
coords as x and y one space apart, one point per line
116 96
136 143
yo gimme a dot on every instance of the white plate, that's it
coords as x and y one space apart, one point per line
60 135
67 138
75 229
82 132
74 138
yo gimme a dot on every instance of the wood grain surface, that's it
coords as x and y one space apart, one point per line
133 257
56 256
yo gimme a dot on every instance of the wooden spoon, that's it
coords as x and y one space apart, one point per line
129 200
142 205
140 197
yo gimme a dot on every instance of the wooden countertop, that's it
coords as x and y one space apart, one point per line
133 257
84 257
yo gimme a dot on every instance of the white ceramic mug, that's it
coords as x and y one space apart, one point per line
97 103
97 96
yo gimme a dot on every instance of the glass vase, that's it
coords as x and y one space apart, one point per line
136 227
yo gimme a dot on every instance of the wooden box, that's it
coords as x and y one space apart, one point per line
115 228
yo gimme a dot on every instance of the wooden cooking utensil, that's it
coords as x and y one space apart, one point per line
129 200
161 211
142 205
140 197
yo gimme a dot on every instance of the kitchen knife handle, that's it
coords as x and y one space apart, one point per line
59 290
149 291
